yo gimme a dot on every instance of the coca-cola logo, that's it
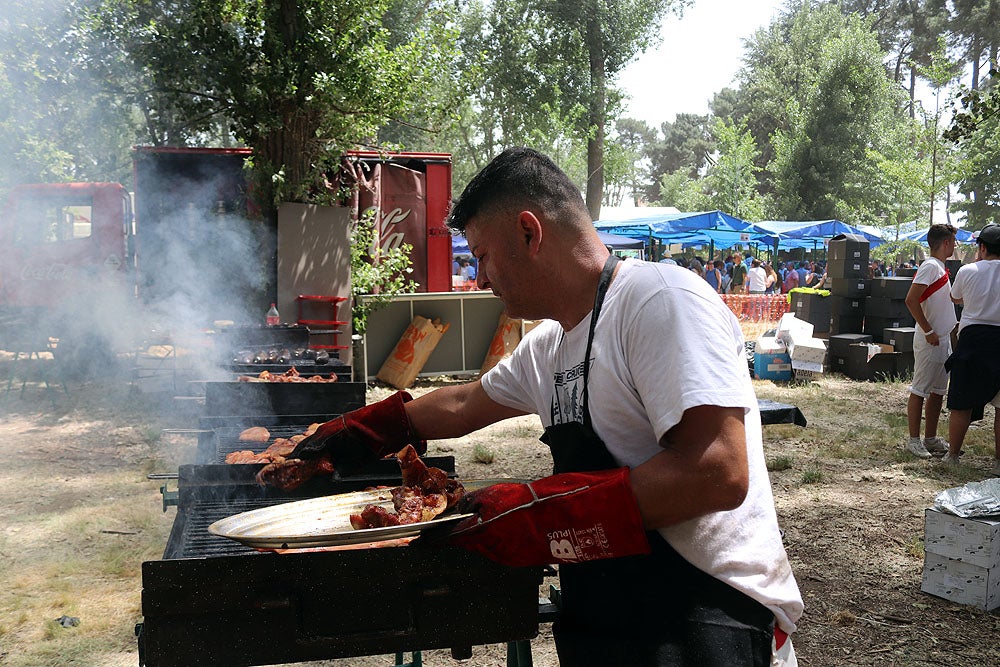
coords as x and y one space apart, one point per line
49 272
390 237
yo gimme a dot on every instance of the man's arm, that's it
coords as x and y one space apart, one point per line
913 305
703 468
450 412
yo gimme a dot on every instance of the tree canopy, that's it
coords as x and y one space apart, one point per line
818 106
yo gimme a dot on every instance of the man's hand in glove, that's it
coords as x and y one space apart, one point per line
364 434
565 518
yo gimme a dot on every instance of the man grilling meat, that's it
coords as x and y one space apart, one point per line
659 514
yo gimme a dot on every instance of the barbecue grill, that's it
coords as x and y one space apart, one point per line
213 601
305 367
283 398
219 436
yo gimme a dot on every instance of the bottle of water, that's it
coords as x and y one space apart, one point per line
272 316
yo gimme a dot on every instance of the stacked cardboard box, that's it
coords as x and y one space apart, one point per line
847 273
838 353
872 361
962 559
886 307
847 314
812 308
771 360
901 339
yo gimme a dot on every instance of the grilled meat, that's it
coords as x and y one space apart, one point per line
291 375
289 474
255 434
277 450
424 494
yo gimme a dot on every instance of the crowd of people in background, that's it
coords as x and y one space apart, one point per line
738 273
745 274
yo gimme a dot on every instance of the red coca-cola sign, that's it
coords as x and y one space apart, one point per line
409 194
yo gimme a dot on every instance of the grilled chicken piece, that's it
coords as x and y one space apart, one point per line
244 456
255 434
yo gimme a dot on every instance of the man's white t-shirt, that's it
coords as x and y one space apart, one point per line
978 284
938 308
661 332
757 279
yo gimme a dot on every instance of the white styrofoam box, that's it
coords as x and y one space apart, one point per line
810 350
971 540
791 328
810 366
961 582
769 345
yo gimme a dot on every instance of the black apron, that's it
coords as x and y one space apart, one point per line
642 610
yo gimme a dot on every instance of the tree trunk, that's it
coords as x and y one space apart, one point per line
913 92
596 110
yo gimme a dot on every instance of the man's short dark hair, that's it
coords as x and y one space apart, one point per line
938 234
524 179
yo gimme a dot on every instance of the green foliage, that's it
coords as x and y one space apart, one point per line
685 144
832 160
812 476
542 73
975 130
625 166
779 463
482 454
732 178
679 190
57 120
377 273
297 80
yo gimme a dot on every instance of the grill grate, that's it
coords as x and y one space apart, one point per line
227 440
197 542
305 367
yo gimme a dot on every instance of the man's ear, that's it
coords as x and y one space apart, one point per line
530 229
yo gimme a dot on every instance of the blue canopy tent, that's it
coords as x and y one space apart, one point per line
696 228
663 225
816 231
920 236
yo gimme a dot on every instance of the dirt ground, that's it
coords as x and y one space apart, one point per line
78 516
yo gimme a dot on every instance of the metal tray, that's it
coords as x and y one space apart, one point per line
319 522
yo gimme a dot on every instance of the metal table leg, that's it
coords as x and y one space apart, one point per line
416 660
519 654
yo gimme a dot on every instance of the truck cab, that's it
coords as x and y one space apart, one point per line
63 245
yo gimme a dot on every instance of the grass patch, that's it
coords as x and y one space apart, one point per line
776 463
483 454
812 476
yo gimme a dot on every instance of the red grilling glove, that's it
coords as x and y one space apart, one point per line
364 434
367 433
565 518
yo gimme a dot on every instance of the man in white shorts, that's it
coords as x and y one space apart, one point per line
975 366
929 301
